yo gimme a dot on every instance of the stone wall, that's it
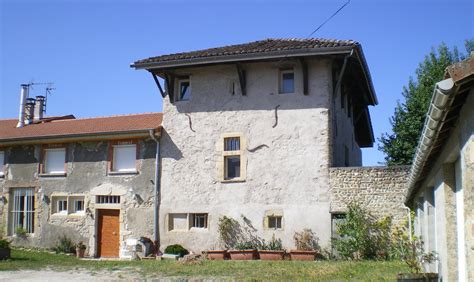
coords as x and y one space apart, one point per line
380 189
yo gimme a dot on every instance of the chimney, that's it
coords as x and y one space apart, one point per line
23 95
39 108
29 110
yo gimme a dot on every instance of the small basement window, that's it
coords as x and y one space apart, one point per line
274 222
2 163
198 220
77 205
178 221
106 199
54 161
59 205
287 81
184 87
124 158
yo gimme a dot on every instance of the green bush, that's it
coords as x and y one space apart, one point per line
247 245
362 236
21 232
4 244
176 250
65 245
230 232
306 240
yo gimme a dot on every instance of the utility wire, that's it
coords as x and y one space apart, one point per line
328 19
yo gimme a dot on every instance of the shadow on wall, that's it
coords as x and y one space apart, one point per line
171 151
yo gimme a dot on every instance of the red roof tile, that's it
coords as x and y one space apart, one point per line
85 126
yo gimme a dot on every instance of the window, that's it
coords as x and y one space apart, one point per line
61 206
198 220
232 162
124 158
108 199
54 161
178 221
22 207
2 163
274 222
287 81
184 88
77 205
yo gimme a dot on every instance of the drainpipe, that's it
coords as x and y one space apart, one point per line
156 190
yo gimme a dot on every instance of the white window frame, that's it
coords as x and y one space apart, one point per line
73 206
107 199
61 206
24 218
114 159
2 164
238 151
281 80
46 170
180 81
194 218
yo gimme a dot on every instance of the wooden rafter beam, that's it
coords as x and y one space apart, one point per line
242 79
304 68
163 93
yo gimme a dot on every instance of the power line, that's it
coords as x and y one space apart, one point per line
328 19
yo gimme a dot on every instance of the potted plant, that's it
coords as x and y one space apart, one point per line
174 252
413 254
272 250
80 250
243 251
306 244
5 250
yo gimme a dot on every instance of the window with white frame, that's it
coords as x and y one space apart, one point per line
274 222
124 158
184 89
2 163
232 158
22 210
76 205
54 161
198 220
287 81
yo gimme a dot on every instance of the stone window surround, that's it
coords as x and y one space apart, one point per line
44 149
189 224
222 154
110 157
273 213
70 202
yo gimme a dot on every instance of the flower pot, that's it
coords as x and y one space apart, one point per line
216 255
302 255
271 255
80 252
243 254
417 277
5 253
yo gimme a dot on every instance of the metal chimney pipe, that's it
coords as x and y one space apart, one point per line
23 95
39 108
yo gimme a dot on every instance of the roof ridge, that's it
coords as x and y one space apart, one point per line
113 116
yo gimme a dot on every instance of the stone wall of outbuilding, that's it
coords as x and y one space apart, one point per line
380 189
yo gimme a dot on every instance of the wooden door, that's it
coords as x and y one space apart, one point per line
108 233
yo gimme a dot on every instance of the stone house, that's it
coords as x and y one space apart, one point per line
91 180
251 131
441 182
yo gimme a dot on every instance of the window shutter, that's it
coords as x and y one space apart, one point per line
125 158
55 159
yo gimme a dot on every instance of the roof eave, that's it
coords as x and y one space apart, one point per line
80 137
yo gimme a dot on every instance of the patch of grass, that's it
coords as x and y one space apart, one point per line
248 270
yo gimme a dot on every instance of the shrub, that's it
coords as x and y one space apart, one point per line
306 240
21 232
273 245
81 246
65 245
362 236
229 232
4 244
176 250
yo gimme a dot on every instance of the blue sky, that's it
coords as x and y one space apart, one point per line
85 47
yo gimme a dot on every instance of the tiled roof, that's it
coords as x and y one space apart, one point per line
257 47
75 127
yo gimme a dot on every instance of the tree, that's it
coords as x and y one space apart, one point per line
408 119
